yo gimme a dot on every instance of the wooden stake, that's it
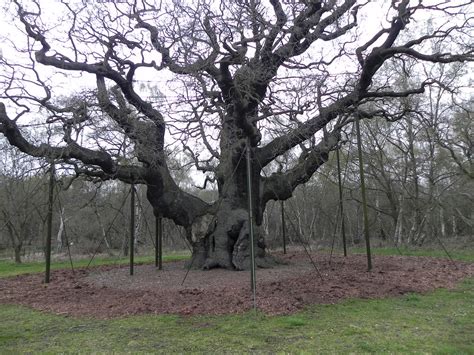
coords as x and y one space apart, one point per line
283 225
341 203
159 243
364 198
132 226
253 282
49 231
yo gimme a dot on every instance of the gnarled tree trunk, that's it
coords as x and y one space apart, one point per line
219 233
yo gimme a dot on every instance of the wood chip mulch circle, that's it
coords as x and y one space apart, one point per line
108 292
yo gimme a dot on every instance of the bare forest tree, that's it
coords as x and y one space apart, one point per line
265 77
22 192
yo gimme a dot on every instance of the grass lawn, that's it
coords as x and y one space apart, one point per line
10 268
439 322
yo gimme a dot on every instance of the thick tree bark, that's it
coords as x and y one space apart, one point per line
220 237
222 240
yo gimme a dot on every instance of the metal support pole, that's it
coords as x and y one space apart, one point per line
364 197
341 203
283 225
49 231
253 282
159 243
132 225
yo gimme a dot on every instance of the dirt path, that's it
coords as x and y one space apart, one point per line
106 292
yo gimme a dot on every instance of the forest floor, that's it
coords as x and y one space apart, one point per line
109 291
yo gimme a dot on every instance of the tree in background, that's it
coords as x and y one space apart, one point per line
22 199
264 76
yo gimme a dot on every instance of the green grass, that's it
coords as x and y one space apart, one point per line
10 268
440 322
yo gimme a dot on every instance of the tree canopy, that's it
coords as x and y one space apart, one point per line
123 87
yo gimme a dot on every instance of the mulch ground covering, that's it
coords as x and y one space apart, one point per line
107 292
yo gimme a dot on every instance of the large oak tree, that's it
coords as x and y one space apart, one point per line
269 76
